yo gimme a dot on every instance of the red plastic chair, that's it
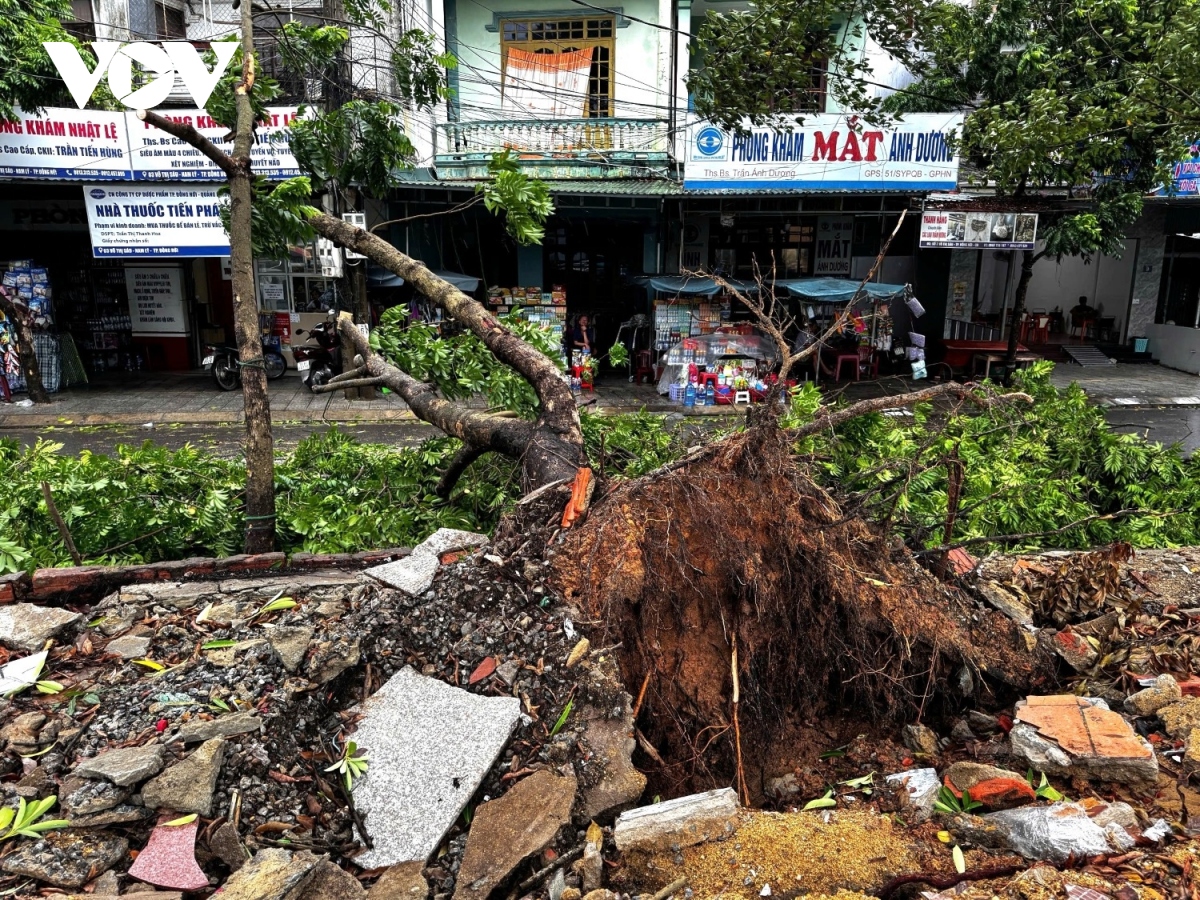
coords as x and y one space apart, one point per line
645 367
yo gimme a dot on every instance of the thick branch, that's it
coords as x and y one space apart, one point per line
462 460
553 446
190 135
490 432
878 404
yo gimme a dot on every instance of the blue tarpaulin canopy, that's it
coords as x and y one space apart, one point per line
378 276
836 290
696 285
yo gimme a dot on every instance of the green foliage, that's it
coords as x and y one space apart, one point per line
351 765
420 69
28 78
222 104
278 215
310 47
461 365
628 445
361 143
948 804
1027 469
525 201
23 821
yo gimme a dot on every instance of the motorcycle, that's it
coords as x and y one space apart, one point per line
226 368
318 364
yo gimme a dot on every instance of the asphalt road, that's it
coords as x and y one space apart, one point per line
1167 425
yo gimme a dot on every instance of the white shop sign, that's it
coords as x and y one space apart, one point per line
826 153
835 237
155 220
65 144
156 300
157 156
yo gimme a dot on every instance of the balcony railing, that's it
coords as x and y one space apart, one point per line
560 137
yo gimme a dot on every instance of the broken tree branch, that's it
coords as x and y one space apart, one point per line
459 464
61 525
190 135
18 314
1030 535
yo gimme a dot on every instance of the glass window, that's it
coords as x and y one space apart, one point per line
272 283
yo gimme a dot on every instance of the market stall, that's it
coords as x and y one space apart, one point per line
882 328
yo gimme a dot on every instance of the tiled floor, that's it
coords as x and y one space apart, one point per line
1123 385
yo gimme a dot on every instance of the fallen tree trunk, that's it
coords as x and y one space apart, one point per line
549 449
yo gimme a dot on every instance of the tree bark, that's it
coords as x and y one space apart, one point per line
1014 328
553 450
260 450
23 330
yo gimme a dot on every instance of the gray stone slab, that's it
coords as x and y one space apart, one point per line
27 626
430 745
682 822
414 574
447 540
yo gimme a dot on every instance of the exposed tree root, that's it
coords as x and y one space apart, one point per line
742 548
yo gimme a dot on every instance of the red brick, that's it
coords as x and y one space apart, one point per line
1003 793
14 586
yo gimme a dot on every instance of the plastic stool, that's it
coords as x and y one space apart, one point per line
706 378
741 397
842 358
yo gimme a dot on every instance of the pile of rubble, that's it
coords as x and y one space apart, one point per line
442 726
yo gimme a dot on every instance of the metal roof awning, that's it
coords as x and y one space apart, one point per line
378 276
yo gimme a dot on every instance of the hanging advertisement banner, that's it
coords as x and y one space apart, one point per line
826 153
155 220
835 235
965 230
158 156
74 144
156 300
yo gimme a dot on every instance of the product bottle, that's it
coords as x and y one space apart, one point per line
710 395
689 396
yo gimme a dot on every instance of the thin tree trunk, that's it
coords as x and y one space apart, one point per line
260 450
554 449
1014 327
19 316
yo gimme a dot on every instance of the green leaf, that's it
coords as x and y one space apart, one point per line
276 605
49 687
182 820
562 717
865 780
821 802
218 644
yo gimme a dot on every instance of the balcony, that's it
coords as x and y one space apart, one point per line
559 148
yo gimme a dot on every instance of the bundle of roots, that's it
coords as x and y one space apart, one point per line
736 574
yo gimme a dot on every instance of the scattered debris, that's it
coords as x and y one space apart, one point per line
1149 701
26 626
402 882
188 785
67 859
920 789
921 739
124 767
273 874
169 858
1058 832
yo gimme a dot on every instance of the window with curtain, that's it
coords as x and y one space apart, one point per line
580 54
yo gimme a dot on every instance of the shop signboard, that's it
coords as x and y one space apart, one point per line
155 220
65 144
1185 175
835 236
158 156
826 153
156 300
967 230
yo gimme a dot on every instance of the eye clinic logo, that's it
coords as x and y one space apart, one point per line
117 59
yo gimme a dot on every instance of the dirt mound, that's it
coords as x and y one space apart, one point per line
741 556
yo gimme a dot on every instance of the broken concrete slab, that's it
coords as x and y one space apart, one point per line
1068 735
1004 600
965 775
1075 650
332 882
220 726
681 822
273 874
128 647
80 797
430 745
613 782
507 831
226 845
169 859
331 658
124 767
290 643
448 540
188 785
27 626
1148 701
921 788
67 858
1055 832
402 882
921 739
1181 717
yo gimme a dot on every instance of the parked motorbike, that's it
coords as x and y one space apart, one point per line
226 370
320 362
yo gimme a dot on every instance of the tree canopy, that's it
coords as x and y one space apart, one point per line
28 78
